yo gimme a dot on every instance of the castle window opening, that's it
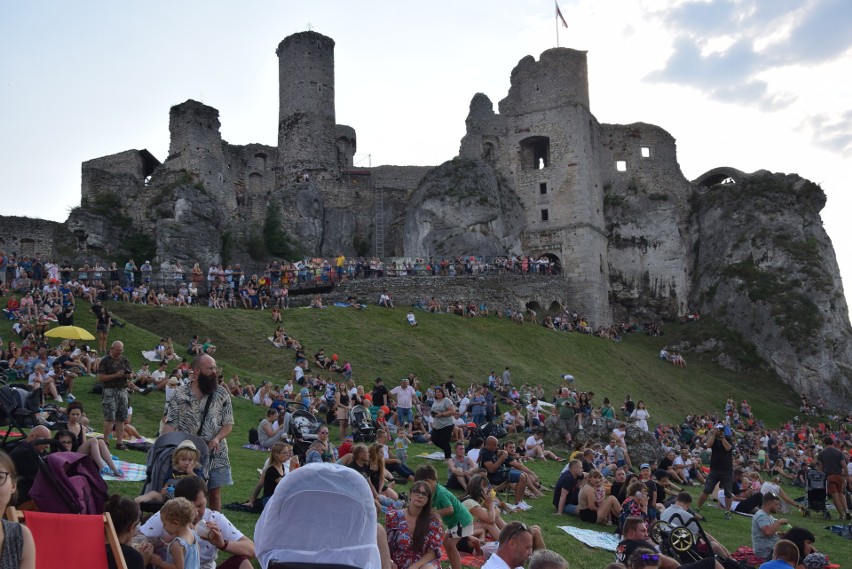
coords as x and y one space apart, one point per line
535 153
621 165
545 215
646 151
542 188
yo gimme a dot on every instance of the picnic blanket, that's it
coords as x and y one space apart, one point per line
255 447
467 559
607 541
151 356
132 472
437 455
9 434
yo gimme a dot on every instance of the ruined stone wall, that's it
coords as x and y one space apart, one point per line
346 145
29 236
497 291
251 171
647 201
122 174
306 117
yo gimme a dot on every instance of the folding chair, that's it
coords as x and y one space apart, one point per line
70 540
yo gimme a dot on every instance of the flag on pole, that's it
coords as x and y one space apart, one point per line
559 15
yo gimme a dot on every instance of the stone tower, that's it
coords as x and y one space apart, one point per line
306 117
547 141
196 146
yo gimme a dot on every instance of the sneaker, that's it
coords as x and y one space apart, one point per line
727 515
70 397
849 515
59 399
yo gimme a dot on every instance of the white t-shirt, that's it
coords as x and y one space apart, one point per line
531 443
298 373
404 397
153 529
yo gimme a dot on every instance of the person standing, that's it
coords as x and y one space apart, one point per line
203 408
406 398
833 465
443 421
721 467
380 394
114 373
103 324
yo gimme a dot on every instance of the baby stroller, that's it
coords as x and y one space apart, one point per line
488 430
304 428
678 541
19 408
158 468
68 482
361 422
815 489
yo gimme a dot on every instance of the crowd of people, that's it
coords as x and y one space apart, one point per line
732 456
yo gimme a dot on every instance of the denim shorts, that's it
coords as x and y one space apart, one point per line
220 477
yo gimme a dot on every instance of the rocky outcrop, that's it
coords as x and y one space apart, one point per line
765 267
462 207
642 446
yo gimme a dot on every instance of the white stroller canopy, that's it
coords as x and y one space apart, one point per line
320 513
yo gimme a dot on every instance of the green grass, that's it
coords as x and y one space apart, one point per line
378 342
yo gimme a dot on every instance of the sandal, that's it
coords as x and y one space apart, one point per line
120 446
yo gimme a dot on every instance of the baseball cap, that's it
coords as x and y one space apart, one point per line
644 465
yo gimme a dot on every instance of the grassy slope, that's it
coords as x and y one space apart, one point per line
379 343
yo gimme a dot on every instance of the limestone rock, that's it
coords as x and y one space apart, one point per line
462 207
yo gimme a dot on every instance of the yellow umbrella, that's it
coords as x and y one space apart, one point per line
70 333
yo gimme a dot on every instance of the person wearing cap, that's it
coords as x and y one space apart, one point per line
185 462
721 467
679 514
817 560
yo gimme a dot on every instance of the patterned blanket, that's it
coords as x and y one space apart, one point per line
132 472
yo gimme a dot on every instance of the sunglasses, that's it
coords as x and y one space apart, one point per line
652 558
515 529
423 493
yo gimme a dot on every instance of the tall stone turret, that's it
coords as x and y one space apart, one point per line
306 118
546 140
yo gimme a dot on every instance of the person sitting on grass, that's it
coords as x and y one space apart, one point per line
184 463
593 505
457 520
534 446
461 468
92 447
412 321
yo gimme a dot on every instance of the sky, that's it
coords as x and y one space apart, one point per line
743 83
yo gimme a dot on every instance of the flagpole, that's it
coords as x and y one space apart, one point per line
556 21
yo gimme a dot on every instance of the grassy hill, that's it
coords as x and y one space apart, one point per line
379 342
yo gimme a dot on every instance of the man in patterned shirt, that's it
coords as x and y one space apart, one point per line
203 408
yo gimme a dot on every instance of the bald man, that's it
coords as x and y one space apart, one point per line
114 373
26 456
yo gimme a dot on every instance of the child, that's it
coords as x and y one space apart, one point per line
177 516
184 463
400 444
411 319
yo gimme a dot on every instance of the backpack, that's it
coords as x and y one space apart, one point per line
252 436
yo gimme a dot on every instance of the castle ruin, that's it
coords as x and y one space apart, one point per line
541 176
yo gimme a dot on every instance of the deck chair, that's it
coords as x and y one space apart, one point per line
63 539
